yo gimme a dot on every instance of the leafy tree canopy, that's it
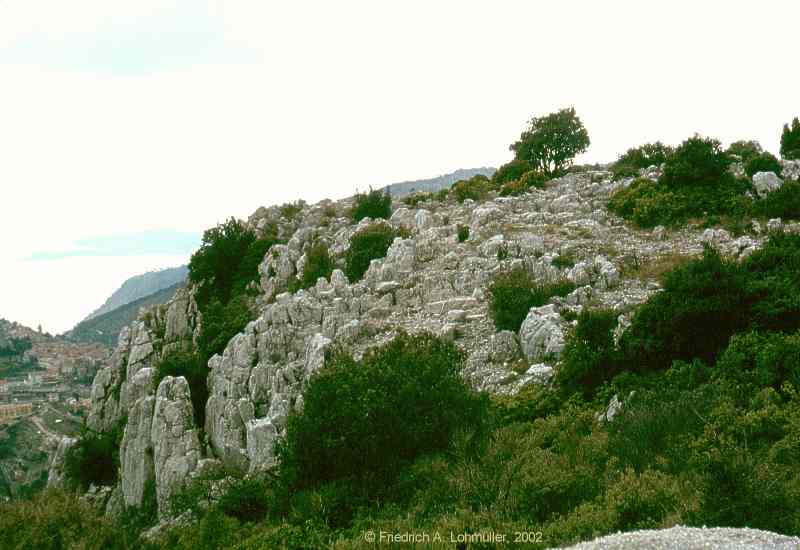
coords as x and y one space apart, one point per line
551 142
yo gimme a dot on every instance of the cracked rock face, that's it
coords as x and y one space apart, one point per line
176 446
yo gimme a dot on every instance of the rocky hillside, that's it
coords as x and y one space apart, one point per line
105 328
139 287
427 281
436 277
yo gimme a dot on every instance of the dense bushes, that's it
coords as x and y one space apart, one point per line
724 298
474 188
94 458
745 150
697 161
764 162
318 264
647 203
363 420
511 171
781 203
413 200
695 183
226 262
790 140
56 520
223 268
375 204
526 182
637 158
195 371
514 292
366 245
590 357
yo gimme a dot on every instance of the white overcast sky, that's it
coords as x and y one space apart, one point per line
123 117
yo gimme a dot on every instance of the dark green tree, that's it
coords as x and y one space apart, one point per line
551 142
790 140
745 150
697 161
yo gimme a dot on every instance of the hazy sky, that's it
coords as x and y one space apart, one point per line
148 118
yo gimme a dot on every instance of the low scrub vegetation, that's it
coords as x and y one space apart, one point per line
318 264
637 158
697 185
376 204
369 244
514 292
94 458
476 188
511 171
527 181
706 434
223 269
195 371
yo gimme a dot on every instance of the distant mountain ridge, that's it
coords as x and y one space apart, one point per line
140 286
435 184
105 328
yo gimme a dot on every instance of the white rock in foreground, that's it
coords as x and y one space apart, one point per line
693 538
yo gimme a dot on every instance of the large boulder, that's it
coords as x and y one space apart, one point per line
541 335
766 182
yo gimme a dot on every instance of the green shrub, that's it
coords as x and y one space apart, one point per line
697 162
723 297
709 293
764 162
474 189
514 292
564 261
589 357
221 322
376 204
289 211
366 245
525 183
56 519
762 359
247 499
363 420
94 458
745 150
462 233
511 171
194 370
781 203
637 158
415 199
318 264
648 204
226 262
790 140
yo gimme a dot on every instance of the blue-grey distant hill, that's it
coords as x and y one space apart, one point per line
140 286
105 328
435 184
